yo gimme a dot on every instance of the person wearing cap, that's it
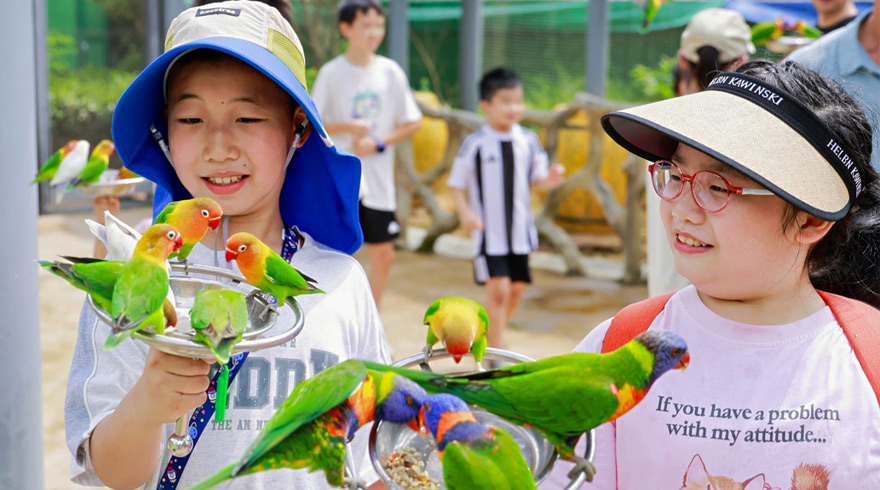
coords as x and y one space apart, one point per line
769 204
851 56
369 107
224 113
714 40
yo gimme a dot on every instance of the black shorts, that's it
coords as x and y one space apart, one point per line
514 266
378 226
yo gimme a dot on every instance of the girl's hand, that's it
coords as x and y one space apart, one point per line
170 386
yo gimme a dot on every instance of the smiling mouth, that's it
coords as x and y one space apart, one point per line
690 241
224 180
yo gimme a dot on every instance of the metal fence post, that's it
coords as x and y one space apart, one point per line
21 424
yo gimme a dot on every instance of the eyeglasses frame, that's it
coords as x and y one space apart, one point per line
686 178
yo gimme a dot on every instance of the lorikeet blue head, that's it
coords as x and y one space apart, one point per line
398 400
670 351
449 419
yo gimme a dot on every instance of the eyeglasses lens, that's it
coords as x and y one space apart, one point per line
708 188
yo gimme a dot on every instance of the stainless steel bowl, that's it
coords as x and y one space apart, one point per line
186 282
388 438
110 184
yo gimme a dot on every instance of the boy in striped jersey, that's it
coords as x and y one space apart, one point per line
491 181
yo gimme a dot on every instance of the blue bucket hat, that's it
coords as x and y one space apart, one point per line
320 192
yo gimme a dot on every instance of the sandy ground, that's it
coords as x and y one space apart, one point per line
554 316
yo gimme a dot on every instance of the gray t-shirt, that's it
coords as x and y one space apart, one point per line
341 324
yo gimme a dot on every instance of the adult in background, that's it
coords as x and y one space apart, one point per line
834 14
851 56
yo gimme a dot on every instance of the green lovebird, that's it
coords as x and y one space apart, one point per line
94 276
565 396
48 169
142 285
95 165
266 270
460 323
473 456
98 278
219 318
310 429
192 217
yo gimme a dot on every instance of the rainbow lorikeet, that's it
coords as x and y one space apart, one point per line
565 396
48 169
473 456
460 323
321 414
192 217
266 270
142 285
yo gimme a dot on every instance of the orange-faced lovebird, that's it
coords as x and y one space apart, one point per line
97 163
142 285
219 318
266 270
460 323
192 217
48 169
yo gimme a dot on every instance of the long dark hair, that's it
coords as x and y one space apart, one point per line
847 260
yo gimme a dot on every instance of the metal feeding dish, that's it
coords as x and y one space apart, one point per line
186 282
387 439
109 184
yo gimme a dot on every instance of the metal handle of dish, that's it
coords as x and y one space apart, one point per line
180 443
512 357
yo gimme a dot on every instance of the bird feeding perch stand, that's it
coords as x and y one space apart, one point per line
262 332
540 455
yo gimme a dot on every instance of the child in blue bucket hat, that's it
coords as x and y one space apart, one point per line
224 113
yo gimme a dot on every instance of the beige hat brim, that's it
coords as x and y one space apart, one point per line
739 133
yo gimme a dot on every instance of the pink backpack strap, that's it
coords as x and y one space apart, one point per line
861 325
633 320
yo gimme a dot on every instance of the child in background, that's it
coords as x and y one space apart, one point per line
230 94
496 167
368 107
768 198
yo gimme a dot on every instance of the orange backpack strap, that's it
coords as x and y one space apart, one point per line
861 325
633 320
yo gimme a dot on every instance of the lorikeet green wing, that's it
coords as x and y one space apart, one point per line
306 402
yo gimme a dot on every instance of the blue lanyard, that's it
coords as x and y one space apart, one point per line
202 415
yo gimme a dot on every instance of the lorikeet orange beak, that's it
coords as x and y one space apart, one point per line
683 363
